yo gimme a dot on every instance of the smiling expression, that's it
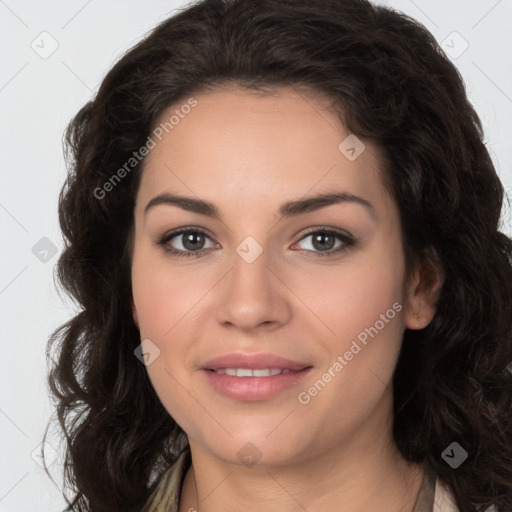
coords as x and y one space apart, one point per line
290 249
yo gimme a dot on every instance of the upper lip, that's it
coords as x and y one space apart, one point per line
253 362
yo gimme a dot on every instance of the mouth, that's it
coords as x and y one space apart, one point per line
253 376
255 362
253 384
257 372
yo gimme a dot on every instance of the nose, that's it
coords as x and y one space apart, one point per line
253 295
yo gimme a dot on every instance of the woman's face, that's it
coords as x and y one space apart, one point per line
319 283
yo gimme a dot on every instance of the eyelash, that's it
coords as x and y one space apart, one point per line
347 240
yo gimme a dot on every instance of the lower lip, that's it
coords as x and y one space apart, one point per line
253 388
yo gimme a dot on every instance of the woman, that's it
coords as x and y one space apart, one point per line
282 229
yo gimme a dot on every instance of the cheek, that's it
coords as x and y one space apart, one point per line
379 282
354 295
361 305
162 294
174 392
164 302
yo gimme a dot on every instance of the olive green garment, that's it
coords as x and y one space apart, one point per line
433 495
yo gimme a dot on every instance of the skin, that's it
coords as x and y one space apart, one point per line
248 153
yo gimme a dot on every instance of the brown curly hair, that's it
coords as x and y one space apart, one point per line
395 86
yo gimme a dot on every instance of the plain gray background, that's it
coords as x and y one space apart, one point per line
39 94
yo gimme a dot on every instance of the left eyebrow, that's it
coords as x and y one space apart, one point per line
288 209
318 201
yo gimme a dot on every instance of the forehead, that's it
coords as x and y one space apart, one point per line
246 146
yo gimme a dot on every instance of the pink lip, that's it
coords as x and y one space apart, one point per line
253 388
253 361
